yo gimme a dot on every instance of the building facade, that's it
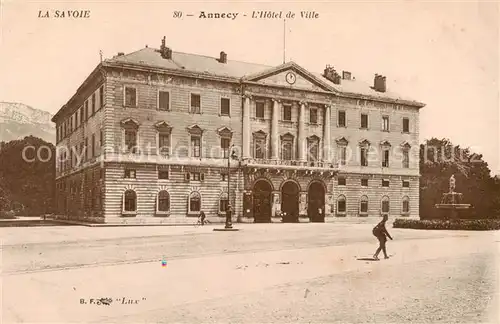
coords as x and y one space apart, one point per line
156 136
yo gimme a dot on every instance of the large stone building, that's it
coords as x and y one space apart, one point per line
146 139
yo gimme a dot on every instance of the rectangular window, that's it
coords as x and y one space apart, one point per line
259 109
341 181
406 184
364 121
93 145
93 104
364 182
163 174
286 150
223 176
86 148
342 119
101 97
195 146
385 123
164 143
86 110
313 116
260 148
406 125
343 155
385 183
224 106
313 151
101 138
195 176
130 97
224 144
385 158
76 120
129 174
195 103
163 100
364 156
130 139
81 116
287 112
406 159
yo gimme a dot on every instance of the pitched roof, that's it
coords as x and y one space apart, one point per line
190 62
150 57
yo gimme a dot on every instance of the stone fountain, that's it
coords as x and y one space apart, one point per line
451 203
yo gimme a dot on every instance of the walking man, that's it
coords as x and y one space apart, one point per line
381 234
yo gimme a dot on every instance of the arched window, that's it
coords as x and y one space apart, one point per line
406 205
223 203
194 202
341 204
163 201
129 201
363 205
385 205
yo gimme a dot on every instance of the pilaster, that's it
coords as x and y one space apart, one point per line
327 134
302 132
246 127
274 130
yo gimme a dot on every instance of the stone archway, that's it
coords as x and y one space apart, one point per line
290 193
262 202
316 202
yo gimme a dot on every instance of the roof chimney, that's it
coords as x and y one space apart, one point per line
379 83
121 53
165 52
332 75
223 57
346 75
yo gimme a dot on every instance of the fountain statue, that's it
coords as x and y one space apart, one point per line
451 202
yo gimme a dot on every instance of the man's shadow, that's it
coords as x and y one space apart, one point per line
367 259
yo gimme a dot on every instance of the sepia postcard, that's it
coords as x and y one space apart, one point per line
249 162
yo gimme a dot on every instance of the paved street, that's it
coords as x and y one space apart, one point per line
264 273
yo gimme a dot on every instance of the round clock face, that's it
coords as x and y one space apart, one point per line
290 77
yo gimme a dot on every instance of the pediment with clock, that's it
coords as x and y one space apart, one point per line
289 75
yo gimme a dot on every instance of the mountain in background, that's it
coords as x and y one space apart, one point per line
18 120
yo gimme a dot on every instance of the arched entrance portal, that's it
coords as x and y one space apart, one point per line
316 202
262 202
290 201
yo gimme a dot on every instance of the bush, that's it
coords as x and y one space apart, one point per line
458 224
8 214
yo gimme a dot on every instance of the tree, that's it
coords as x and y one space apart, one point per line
26 176
439 159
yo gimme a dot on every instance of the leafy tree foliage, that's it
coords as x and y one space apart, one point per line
27 176
439 159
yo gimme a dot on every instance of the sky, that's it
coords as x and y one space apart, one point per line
444 54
